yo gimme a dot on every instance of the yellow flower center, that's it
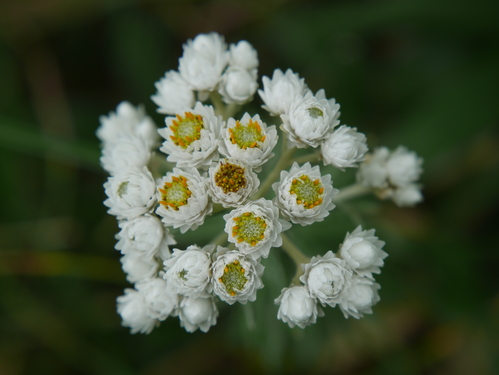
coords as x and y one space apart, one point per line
249 228
308 193
186 129
176 193
230 177
246 135
233 277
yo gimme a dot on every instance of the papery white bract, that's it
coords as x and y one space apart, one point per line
159 298
134 312
138 266
297 307
131 152
197 313
238 85
359 297
243 55
344 148
404 167
174 94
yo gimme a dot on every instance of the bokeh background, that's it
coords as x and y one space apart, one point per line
424 74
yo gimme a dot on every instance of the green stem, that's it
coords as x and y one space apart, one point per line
313 157
350 192
286 154
219 106
294 253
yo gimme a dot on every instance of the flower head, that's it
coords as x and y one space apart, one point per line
131 152
360 296
243 55
238 85
255 227
188 271
134 312
297 307
248 140
231 182
303 195
235 277
344 148
191 137
197 313
174 94
137 266
183 202
159 298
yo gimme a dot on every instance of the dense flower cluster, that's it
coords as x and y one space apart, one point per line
218 158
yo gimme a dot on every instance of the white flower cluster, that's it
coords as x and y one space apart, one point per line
218 158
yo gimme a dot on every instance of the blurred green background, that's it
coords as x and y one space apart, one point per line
424 74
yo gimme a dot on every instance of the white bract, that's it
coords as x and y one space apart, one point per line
404 167
138 267
344 148
283 89
159 298
243 55
134 312
255 227
183 202
360 296
248 140
173 94
297 307
327 278
303 195
130 193
362 250
145 235
131 152
310 119
203 61
408 195
188 271
235 277
191 137
197 313
238 85
231 182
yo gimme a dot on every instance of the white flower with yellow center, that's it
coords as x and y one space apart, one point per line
134 312
231 182
238 85
297 307
159 298
145 235
138 267
174 94
130 152
283 89
188 271
191 137
248 140
310 119
197 313
255 227
303 195
360 297
183 202
130 193
235 277
204 61
362 250
327 278
344 148
127 121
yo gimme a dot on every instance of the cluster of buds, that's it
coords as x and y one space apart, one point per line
212 166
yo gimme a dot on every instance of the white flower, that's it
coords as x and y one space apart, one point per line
203 61
360 296
403 166
191 138
174 94
373 173
303 195
133 310
138 267
159 298
188 271
327 278
130 152
363 251
344 148
248 140
127 121
183 200
145 235
235 277
281 91
297 307
407 196
130 193
243 55
231 182
238 85
197 313
255 227
310 119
